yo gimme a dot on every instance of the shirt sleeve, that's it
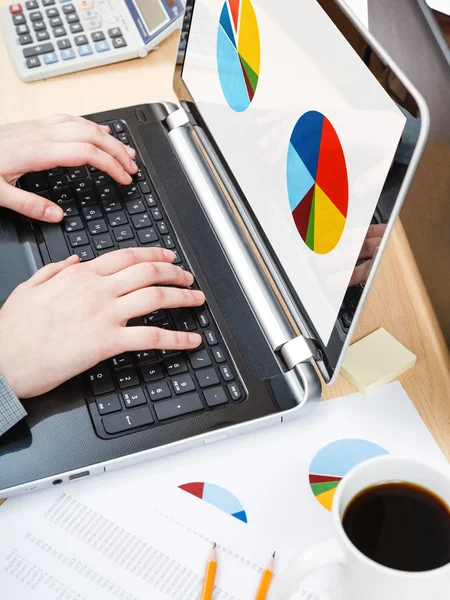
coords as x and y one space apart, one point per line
11 410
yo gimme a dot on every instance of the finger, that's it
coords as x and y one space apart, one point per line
29 204
51 270
361 273
57 119
145 301
113 262
369 247
93 134
148 338
376 231
74 154
148 273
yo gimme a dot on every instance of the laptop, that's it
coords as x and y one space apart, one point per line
277 183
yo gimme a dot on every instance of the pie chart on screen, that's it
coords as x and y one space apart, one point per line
238 53
317 182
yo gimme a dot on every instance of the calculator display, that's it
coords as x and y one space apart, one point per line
152 16
153 12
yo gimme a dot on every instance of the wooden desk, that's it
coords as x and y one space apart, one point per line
398 300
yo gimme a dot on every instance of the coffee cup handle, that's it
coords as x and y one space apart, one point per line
316 557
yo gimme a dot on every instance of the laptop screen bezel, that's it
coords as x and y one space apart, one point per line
330 355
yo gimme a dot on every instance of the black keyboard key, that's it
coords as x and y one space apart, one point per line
56 172
119 42
140 177
234 391
74 224
156 214
146 356
39 25
36 16
183 384
128 244
68 8
78 239
158 391
215 396
64 44
177 260
182 405
152 372
163 229
207 377
134 397
37 50
184 321
123 138
127 378
102 178
118 127
141 221
82 184
85 253
25 39
111 205
203 320
145 188
155 316
122 360
70 208
55 22
101 380
37 184
117 218
211 338
19 19
92 212
150 200
168 242
123 233
175 366
58 181
42 36
98 36
200 359
147 235
106 191
96 227
136 322
130 192
103 241
218 355
226 373
114 32
108 404
76 172
135 208
128 420
62 195
80 40
87 198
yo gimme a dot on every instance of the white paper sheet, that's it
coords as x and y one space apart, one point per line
361 10
442 6
54 545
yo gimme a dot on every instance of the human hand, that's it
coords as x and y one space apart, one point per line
58 141
370 246
70 316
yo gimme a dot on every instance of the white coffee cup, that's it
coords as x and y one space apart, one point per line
361 578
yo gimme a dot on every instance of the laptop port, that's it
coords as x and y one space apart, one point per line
78 475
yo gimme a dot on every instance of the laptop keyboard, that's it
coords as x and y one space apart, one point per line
138 390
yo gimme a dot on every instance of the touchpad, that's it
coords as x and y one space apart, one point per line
16 260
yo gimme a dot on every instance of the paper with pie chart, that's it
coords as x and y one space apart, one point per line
317 182
334 461
238 53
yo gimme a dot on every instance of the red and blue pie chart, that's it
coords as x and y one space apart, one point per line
218 496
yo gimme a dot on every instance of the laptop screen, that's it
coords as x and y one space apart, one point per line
307 130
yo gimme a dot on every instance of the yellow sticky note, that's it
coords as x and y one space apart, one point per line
376 360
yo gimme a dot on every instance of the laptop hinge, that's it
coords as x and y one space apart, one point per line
297 351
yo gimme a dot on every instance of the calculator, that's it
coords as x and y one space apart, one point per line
46 38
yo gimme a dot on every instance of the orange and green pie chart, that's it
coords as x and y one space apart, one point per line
334 461
317 182
238 53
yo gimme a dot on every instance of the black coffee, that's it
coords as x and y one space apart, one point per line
400 525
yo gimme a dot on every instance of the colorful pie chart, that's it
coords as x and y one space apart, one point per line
218 497
334 461
238 53
317 182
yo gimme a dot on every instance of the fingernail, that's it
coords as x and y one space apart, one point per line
53 213
129 178
194 338
169 254
199 295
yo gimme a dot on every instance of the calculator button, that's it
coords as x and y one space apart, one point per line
84 4
51 58
25 39
93 24
72 18
84 253
19 19
76 28
68 8
52 12
39 25
119 42
80 40
33 62
114 32
85 50
36 50
59 32
55 22
22 30
67 54
15 8
32 5
63 44
48 2
102 46
98 36
36 16
41 36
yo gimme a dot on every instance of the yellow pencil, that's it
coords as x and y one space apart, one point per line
266 580
210 576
